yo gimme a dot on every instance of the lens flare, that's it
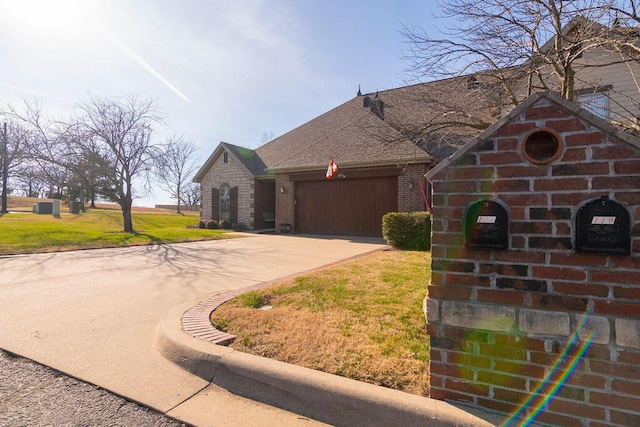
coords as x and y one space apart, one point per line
561 371
123 47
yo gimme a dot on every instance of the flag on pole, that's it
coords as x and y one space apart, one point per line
331 169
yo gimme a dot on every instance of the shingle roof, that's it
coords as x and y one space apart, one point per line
249 158
354 135
245 156
351 134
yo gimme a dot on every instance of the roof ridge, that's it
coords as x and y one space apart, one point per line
324 138
307 122
237 146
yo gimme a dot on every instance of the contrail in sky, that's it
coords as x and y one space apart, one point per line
127 50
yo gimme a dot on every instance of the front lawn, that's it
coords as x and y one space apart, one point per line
97 228
361 319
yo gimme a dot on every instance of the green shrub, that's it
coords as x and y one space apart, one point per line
211 224
202 224
226 225
407 230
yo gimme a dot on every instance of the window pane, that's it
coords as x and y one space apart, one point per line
225 209
596 103
225 203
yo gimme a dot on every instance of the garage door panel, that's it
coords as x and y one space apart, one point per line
344 207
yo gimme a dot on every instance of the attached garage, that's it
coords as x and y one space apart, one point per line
352 206
282 184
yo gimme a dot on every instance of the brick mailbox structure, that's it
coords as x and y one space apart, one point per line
533 308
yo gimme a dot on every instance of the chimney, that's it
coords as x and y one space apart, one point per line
377 106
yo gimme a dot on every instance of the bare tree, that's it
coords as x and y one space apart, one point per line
13 154
191 195
63 155
266 137
175 166
42 156
29 180
497 52
122 128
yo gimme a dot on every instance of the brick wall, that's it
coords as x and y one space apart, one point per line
285 203
231 174
500 320
410 196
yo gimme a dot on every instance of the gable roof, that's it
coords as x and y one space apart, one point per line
575 24
552 97
594 30
351 134
247 158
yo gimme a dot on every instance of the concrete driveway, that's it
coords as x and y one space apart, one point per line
95 314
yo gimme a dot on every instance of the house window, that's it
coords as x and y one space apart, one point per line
576 50
473 83
225 203
225 157
596 103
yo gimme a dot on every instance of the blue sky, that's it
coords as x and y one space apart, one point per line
218 70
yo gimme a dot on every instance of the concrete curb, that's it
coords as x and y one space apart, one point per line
324 397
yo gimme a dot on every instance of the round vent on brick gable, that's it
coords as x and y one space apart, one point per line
541 146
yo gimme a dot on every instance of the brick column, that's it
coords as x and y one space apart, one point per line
502 323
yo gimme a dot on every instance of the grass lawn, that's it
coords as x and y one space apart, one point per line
26 232
360 319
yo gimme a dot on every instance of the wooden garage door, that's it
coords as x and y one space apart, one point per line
349 207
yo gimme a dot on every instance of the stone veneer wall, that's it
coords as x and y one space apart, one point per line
233 175
499 320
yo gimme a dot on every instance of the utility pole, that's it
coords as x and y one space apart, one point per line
5 175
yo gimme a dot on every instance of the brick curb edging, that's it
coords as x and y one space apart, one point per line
196 321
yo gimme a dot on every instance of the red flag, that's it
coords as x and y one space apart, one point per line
331 169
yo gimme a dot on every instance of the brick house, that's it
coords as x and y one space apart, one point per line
384 142
283 184
533 307
229 175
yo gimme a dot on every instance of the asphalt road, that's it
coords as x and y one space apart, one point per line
34 395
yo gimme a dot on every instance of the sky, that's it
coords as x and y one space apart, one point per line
232 71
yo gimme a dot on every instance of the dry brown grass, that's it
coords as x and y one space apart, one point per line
361 319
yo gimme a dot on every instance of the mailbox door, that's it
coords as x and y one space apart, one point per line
486 226
603 226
